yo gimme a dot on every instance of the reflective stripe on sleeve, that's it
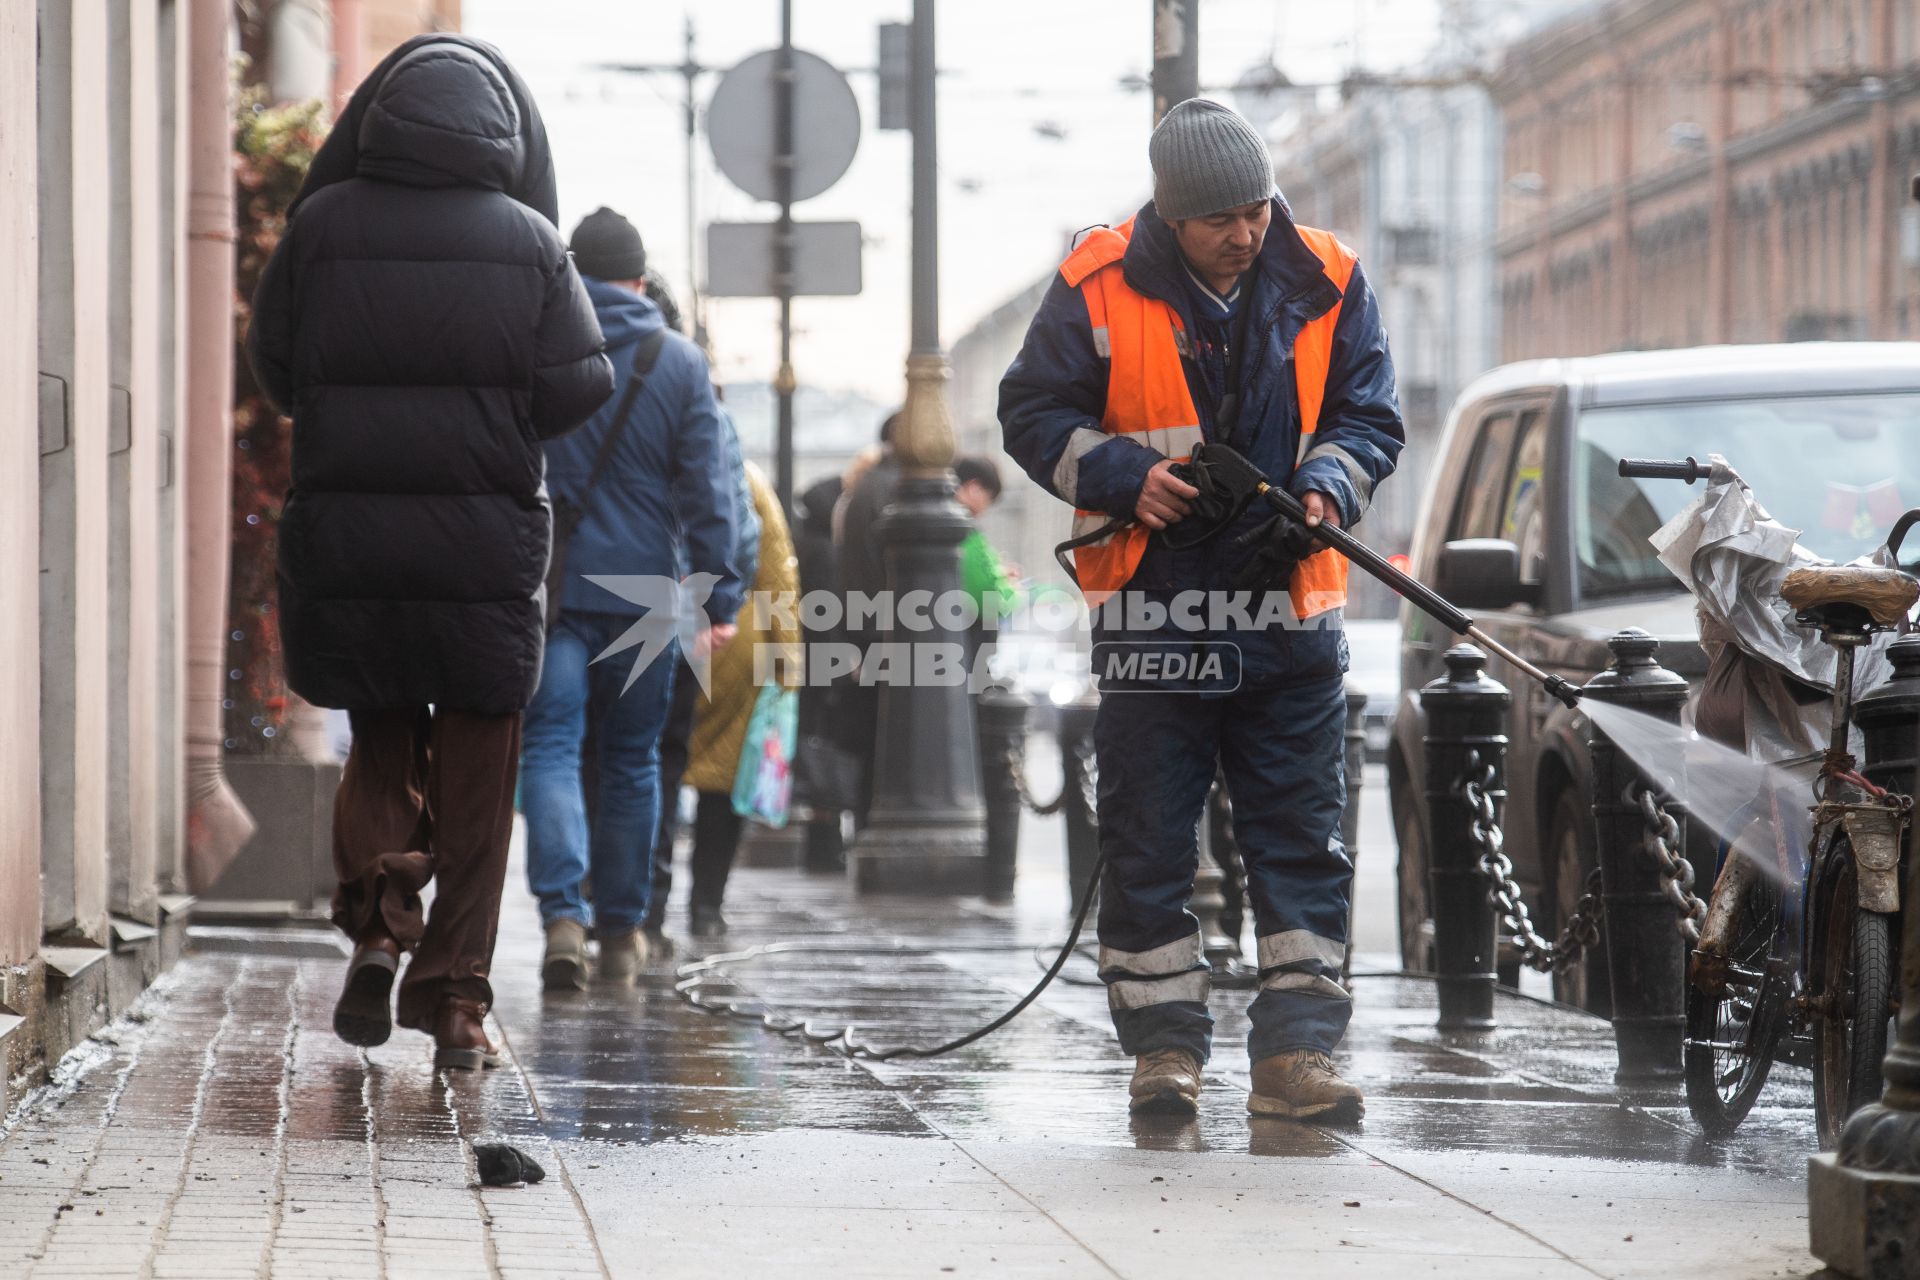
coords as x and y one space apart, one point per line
1066 472
1356 474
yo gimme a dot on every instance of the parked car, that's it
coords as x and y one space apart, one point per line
1528 525
1373 666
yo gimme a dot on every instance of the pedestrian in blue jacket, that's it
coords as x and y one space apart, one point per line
660 509
1212 318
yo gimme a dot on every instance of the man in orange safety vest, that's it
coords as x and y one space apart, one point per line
1212 317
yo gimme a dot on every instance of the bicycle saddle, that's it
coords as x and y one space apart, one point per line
1850 595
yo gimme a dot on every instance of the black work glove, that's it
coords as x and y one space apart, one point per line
1226 482
1276 547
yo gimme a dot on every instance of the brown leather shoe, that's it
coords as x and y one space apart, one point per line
460 1036
364 1014
1302 1083
1165 1082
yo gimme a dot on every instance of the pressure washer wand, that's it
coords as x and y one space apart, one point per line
1410 588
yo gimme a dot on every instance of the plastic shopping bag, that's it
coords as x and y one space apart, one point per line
763 783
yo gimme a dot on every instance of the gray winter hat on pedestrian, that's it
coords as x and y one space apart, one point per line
1206 158
607 247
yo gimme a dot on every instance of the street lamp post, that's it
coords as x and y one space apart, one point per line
1176 54
926 832
1176 77
784 381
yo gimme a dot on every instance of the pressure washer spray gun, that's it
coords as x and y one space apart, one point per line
1229 484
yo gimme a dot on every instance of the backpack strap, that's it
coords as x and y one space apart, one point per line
644 357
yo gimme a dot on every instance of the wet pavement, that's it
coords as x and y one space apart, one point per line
224 1131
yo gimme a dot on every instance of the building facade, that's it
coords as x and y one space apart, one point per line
96 180
116 391
1405 176
1697 171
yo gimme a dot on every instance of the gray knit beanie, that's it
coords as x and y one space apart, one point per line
1206 158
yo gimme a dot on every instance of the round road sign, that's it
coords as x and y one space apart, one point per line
742 125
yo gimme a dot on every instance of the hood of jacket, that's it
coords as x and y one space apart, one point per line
443 116
442 110
625 316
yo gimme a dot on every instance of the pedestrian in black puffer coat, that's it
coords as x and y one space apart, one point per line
423 325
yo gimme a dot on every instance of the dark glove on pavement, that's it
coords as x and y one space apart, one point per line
503 1166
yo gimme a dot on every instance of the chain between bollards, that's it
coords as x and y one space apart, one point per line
1662 844
1086 780
1016 762
1582 930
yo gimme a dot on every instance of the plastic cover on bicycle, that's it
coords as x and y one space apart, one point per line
1769 679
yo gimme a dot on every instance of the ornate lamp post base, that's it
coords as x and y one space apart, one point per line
1863 1201
927 830
924 861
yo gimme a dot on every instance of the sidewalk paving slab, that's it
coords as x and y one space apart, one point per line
222 1130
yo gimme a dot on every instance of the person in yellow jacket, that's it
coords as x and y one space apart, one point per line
1212 317
768 641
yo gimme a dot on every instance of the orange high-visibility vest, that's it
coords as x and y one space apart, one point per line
1148 401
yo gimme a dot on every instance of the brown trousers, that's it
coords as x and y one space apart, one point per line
427 795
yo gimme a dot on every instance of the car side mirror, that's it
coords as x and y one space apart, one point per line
1483 573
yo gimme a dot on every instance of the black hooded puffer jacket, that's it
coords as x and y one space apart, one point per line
422 323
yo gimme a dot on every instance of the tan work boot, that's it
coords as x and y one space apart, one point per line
1165 1082
622 957
1302 1083
565 968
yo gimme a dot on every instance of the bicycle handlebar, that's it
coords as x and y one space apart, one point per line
1656 469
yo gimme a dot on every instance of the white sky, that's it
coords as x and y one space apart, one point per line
1007 65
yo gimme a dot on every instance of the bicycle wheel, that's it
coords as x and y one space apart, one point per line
1854 999
1734 1022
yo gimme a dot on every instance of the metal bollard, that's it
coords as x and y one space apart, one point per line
1356 770
1208 902
1083 830
1646 955
1889 722
1466 732
1000 716
1217 827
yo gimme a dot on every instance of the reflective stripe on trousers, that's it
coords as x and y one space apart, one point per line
1136 979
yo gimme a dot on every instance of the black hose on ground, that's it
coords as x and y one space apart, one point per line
841 1040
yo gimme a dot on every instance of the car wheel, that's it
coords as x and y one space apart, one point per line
1570 859
1416 909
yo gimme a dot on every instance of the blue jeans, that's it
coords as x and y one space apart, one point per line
619 848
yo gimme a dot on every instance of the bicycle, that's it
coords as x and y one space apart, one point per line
1808 977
